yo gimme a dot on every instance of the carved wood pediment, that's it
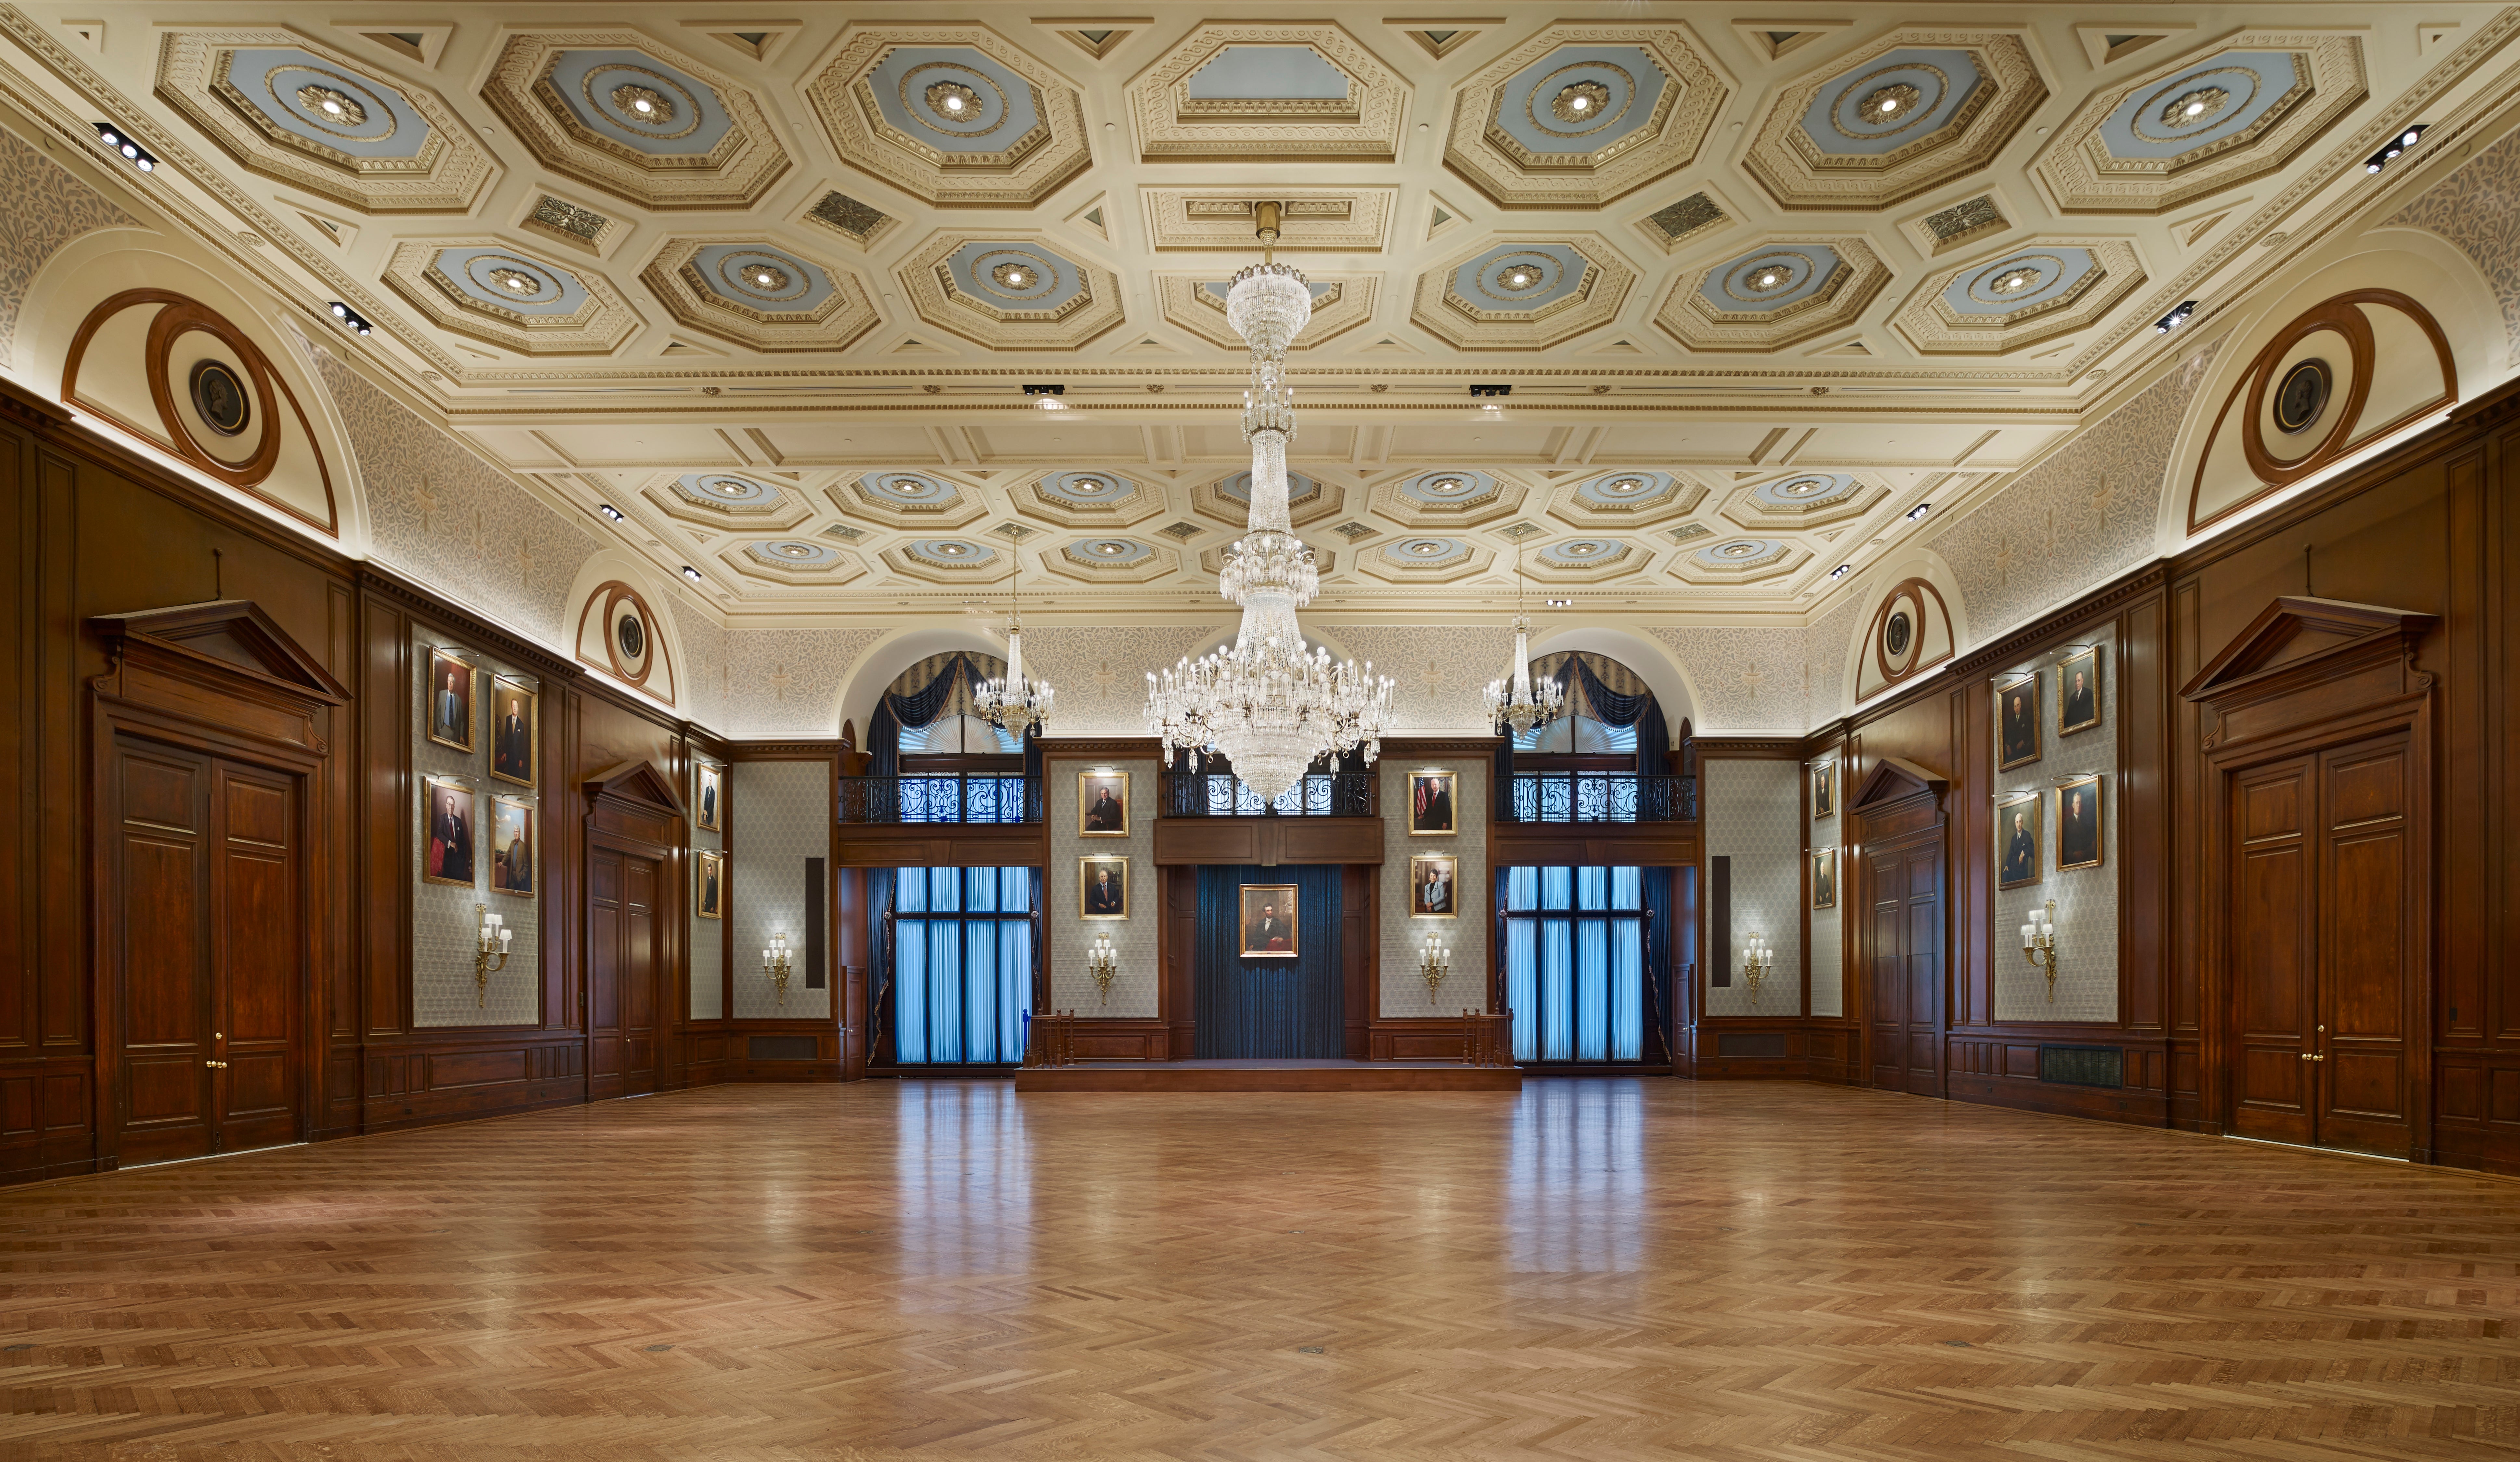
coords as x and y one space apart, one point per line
638 783
1894 779
2297 639
233 636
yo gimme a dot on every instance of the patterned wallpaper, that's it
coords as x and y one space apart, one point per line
442 915
784 819
776 683
2087 898
1828 926
1751 814
47 209
1404 990
1437 671
2473 208
2079 519
704 679
1101 671
1134 989
708 936
451 521
1748 677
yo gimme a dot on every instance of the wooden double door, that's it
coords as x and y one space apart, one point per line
1903 938
208 950
2323 941
625 964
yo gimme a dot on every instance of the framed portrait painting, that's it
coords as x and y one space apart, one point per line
2079 822
2016 723
1824 790
710 899
1268 913
448 706
1434 886
1103 803
1824 878
1432 809
1101 887
512 731
708 796
511 847
447 819
2016 840
2078 691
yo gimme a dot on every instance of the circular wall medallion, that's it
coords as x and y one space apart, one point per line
2194 107
1895 99
1580 102
329 104
222 399
1897 634
2301 397
632 634
644 102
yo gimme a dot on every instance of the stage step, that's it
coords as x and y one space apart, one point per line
1269 1075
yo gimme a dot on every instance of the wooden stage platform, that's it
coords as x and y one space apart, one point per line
1268 1075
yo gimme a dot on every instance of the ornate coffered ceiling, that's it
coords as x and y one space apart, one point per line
772 290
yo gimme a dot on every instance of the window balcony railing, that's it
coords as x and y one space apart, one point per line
1600 796
1318 795
945 797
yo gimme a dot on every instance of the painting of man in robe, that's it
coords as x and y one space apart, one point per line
2016 840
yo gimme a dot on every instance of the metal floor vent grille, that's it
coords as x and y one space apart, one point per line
2083 1065
783 1048
1739 1046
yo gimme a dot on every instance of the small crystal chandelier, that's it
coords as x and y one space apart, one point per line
1268 704
1518 704
1012 701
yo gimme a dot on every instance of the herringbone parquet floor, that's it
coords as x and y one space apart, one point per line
1596 1269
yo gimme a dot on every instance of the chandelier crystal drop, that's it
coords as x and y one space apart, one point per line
1013 701
1266 702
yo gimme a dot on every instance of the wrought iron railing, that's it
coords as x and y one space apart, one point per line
945 797
1223 795
1600 796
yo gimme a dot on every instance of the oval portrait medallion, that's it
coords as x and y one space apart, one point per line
220 397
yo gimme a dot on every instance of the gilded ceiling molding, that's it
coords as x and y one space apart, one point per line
1739 560
1269 92
1628 498
1447 499
1585 112
726 502
912 501
760 293
617 111
1111 560
1774 295
1524 293
1011 290
1102 501
1909 113
1197 304
1343 220
794 563
1226 499
1426 559
954 116
303 114
2033 292
1801 501
492 291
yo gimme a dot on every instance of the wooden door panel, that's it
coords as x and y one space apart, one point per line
2366 939
2365 1086
2367 877
162 952
639 973
165 968
2270 952
2270 965
259 934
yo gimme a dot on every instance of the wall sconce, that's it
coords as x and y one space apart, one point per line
1758 960
2039 945
1434 962
490 939
1103 962
773 963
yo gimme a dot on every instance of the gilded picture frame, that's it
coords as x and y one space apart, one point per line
449 833
1103 803
1824 878
708 796
1101 887
708 885
1266 922
1434 803
2078 706
2017 723
1434 885
2082 825
2018 846
512 847
1824 790
516 731
446 706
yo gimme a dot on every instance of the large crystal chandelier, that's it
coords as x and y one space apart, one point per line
1268 704
1011 701
1518 704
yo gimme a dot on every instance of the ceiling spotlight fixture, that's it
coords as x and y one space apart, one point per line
132 152
349 317
2175 318
2407 137
692 573
1557 603
1271 706
1493 388
1044 388
609 511
1917 513
1841 570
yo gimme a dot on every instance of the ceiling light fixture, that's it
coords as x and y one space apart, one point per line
120 142
1015 702
1492 388
1917 513
1044 388
2175 318
1841 570
2407 137
609 511
1557 603
1271 706
1521 701
349 317
694 574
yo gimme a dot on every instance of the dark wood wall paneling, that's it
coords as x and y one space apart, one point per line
838 1038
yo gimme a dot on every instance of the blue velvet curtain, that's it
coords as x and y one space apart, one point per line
921 705
1575 963
883 741
880 881
962 964
1653 742
1640 711
1659 912
1271 1009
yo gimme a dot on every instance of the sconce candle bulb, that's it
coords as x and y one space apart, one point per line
1103 962
490 940
775 964
1758 961
1434 962
2039 945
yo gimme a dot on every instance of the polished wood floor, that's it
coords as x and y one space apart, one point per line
1590 1269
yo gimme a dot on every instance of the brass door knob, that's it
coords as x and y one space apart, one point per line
2305 1056
218 1066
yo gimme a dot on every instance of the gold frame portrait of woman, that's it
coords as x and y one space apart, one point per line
1419 906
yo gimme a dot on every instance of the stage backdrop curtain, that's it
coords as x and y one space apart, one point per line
962 964
1270 1009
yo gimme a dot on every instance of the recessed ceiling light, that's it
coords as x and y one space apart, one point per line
131 151
609 511
692 573
2407 137
1841 570
349 317
2175 318
1557 603
1917 513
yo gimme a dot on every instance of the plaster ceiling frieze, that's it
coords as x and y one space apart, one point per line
1583 112
494 291
2473 208
304 115
1742 559
943 559
1228 499
1112 558
1218 220
2196 125
907 499
2031 293
51 208
1446 499
1098 501
1909 113
1426 559
1802 500
617 111
759 294
1589 559
1437 671
1011 292
1269 92
1774 296
798 562
1524 292
1197 304
720 502
1630 498
954 116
